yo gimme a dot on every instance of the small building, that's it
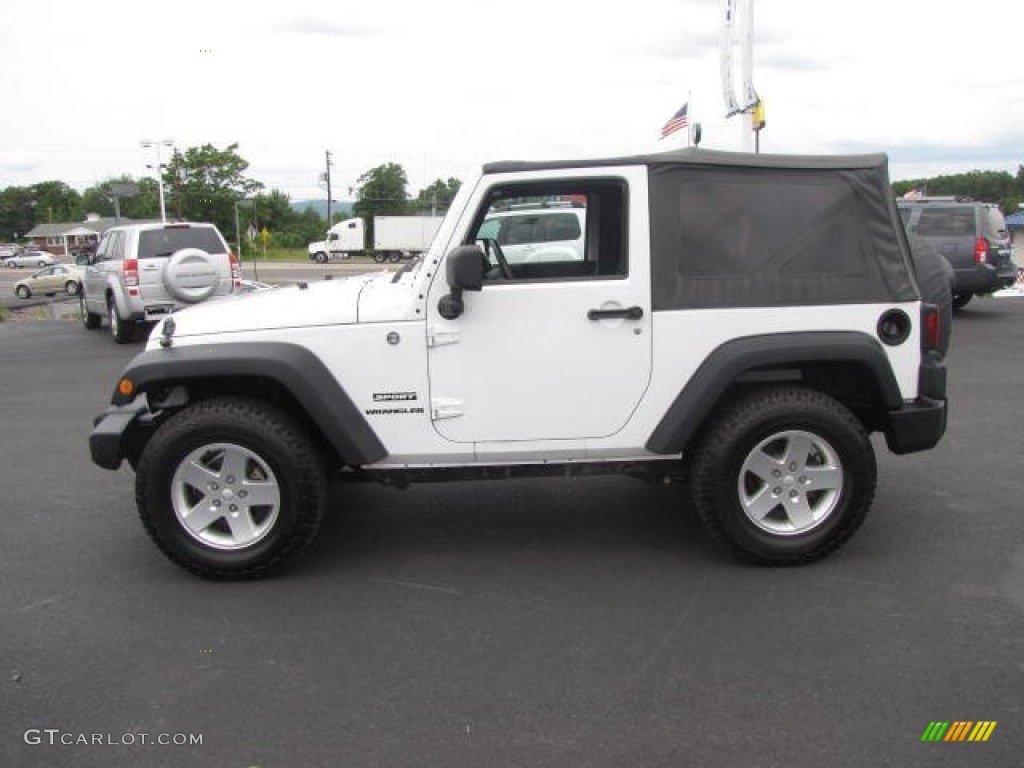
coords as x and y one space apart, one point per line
63 238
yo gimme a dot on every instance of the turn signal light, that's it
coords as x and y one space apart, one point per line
126 387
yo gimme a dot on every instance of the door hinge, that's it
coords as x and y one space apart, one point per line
437 338
445 408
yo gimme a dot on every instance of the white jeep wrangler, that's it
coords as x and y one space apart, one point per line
743 320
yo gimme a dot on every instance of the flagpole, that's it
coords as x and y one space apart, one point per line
689 119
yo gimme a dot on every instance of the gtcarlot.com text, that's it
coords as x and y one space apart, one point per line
56 737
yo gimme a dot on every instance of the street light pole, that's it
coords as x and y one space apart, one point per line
159 171
238 235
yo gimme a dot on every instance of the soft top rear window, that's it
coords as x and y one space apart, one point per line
160 243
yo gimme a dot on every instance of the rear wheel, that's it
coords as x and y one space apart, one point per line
71 287
961 300
783 476
120 330
231 488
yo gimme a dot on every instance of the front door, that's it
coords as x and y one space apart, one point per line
549 349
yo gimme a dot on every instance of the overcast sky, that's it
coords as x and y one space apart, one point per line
443 86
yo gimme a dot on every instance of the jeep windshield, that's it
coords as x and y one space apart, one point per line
160 243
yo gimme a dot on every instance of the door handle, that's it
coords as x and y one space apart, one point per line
629 313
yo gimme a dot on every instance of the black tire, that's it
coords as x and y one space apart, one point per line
321 258
961 300
268 443
380 257
23 292
71 287
120 329
90 320
756 433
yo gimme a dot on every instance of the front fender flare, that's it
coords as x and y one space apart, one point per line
294 367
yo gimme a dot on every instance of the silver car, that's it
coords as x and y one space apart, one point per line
29 259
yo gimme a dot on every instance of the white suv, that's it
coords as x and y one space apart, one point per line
142 272
536 234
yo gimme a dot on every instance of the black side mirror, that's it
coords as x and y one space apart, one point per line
465 268
465 272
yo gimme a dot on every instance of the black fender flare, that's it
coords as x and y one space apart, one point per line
696 401
293 367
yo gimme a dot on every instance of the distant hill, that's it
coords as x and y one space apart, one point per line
320 206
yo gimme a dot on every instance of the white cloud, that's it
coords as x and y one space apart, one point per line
440 87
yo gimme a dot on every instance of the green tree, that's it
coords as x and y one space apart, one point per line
17 212
382 192
986 186
204 183
55 202
144 204
438 196
22 208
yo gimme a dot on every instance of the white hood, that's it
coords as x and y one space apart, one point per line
326 302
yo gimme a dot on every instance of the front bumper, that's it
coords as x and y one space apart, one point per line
118 434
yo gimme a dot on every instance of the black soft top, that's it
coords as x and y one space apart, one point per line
702 157
733 229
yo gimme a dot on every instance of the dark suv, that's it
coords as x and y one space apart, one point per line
971 235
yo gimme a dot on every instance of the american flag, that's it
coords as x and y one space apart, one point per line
679 120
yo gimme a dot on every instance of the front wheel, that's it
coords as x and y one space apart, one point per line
71 287
22 292
231 488
783 476
321 258
90 320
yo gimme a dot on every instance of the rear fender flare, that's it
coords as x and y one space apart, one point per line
728 362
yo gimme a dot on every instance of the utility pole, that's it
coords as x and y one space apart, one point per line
327 178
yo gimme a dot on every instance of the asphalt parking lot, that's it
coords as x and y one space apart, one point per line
526 623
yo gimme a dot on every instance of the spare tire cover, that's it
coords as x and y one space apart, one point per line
190 275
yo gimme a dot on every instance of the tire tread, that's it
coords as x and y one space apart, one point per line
728 428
